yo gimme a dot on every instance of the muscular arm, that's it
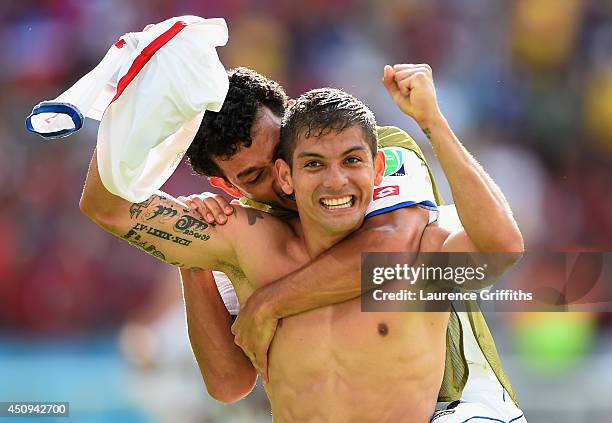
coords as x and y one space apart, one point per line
227 372
168 230
488 224
160 226
482 208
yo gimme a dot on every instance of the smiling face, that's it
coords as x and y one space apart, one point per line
332 177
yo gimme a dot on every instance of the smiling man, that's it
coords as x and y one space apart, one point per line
235 147
329 159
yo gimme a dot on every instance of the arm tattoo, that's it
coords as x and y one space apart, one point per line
133 238
137 208
427 133
157 208
160 234
253 215
189 225
162 210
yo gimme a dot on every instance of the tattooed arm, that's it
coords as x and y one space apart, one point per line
161 226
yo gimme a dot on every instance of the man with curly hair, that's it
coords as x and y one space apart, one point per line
236 148
347 358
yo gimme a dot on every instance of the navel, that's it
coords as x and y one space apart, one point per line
383 329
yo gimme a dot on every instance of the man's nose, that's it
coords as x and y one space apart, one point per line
335 177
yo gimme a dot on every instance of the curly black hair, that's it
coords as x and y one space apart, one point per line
320 111
222 133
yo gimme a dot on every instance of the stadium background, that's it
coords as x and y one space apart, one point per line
526 84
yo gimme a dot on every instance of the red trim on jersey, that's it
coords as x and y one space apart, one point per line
146 55
120 43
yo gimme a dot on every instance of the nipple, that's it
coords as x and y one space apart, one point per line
383 329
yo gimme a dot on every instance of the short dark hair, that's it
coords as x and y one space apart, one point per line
222 133
320 111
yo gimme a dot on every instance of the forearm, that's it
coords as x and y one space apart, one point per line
227 372
481 206
335 275
96 201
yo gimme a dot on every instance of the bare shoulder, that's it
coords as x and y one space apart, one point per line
255 220
253 229
433 238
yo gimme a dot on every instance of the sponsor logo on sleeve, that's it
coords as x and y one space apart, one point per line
386 191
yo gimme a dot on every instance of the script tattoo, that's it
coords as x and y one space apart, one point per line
163 211
188 222
191 226
137 208
427 133
161 234
133 238
156 208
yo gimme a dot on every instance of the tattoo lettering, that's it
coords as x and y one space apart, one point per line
427 133
163 211
188 222
154 209
137 208
191 226
133 238
181 241
161 234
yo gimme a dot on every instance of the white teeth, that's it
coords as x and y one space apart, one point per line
337 203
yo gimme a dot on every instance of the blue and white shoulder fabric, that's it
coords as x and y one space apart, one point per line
150 92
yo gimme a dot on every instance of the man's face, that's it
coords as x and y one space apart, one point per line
333 178
251 170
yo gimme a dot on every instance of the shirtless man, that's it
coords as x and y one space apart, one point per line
235 148
332 175
473 365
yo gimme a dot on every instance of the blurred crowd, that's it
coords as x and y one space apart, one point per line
526 84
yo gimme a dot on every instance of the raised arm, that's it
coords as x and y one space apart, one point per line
488 224
160 226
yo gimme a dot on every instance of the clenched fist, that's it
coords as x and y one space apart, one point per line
412 88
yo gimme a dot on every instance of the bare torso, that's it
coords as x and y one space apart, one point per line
338 364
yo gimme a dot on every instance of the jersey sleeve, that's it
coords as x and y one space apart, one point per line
406 183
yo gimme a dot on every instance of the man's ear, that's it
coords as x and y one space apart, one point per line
283 174
379 167
218 182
